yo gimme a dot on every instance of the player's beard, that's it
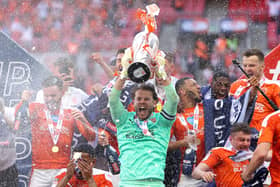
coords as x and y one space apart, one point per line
194 96
53 105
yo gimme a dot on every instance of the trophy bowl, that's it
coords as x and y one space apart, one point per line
144 47
139 72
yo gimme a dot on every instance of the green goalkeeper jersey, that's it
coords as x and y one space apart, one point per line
143 157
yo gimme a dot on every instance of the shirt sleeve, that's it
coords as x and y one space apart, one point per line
236 85
276 96
102 180
175 130
267 131
170 107
232 89
106 183
83 95
58 178
116 107
211 159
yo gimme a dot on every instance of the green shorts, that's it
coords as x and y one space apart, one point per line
142 183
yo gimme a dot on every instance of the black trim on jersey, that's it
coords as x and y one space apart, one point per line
167 116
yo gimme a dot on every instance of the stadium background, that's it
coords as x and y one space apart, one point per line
205 35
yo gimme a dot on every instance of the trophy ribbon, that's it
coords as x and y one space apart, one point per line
148 18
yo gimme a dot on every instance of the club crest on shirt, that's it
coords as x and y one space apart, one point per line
190 120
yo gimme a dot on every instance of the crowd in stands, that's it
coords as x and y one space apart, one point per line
203 59
40 25
67 25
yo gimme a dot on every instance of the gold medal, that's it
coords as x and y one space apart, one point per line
55 149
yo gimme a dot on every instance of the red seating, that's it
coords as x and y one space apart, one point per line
192 8
272 38
164 3
168 14
256 10
263 8
253 10
197 7
237 8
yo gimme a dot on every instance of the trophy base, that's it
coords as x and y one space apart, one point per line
139 72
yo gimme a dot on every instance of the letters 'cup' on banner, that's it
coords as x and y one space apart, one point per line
141 60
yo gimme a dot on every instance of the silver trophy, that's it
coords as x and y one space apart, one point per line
144 47
143 58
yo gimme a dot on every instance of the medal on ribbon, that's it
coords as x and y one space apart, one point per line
143 126
55 149
54 131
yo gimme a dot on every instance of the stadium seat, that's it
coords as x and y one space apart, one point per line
258 10
198 7
272 38
263 7
237 8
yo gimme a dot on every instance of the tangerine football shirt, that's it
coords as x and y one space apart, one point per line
181 127
43 156
102 179
226 169
270 133
262 106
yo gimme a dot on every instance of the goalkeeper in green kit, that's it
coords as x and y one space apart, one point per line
143 135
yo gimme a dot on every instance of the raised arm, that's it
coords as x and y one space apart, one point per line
69 174
172 99
97 58
83 125
116 107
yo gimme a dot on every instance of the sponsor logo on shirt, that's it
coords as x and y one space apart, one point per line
238 167
259 107
136 135
64 130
